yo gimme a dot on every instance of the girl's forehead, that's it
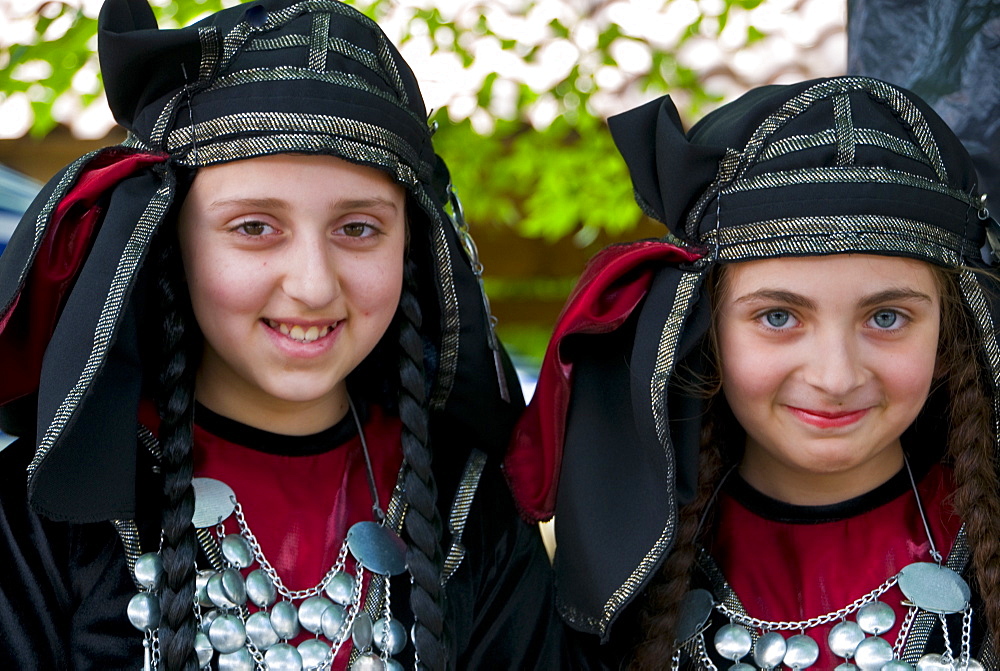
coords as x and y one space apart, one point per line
828 273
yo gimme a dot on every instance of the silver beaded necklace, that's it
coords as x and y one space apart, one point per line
930 588
238 640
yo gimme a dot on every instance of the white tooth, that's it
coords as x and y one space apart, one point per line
312 333
326 329
297 332
283 328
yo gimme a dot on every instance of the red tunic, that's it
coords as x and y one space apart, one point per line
790 563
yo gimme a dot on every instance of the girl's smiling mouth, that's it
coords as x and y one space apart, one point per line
300 333
826 420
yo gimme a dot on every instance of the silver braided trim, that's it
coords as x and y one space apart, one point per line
863 136
128 532
836 235
109 317
460 508
846 138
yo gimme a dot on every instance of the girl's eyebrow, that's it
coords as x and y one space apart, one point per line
894 296
777 296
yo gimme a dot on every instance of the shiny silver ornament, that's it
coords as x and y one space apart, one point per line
217 593
368 662
846 666
144 611
260 590
283 657
311 613
260 632
378 548
361 634
214 501
695 609
844 638
207 618
733 641
333 621
934 588
802 652
769 650
227 633
313 652
934 662
392 641
340 589
201 588
393 665
237 550
149 570
897 665
740 666
876 618
285 619
203 649
234 587
873 653
237 661
973 665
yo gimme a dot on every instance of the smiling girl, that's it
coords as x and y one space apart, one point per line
770 439
260 403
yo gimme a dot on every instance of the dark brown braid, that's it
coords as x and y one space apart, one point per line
971 448
423 521
176 408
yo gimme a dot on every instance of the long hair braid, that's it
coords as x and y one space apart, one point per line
176 409
972 452
658 618
423 521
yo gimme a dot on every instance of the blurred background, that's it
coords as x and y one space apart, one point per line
520 91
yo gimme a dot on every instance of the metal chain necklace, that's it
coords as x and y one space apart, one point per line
927 586
238 640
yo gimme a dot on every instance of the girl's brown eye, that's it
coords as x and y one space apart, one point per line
356 230
253 228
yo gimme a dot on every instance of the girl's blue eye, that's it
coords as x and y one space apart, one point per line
777 318
885 319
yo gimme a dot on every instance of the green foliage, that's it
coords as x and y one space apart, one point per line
558 179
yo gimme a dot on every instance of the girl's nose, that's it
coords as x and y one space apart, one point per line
310 274
834 364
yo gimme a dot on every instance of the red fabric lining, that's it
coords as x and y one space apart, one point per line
27 327
611 287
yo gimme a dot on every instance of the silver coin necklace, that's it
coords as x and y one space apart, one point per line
927 586
234 639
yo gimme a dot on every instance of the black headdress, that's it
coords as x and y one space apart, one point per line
308 76
822 167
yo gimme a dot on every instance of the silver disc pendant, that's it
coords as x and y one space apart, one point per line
934 588
846 666
378 548
769 650
873 653
207 618
234 587
144 611
201 588
368 662
362 632
227 633
214 501
217 593
260 632
934 662
876 618
340 589
695 609
802 652
203 649
283 657
391 639
740 666
237 661
311 613
844 638
333 621
149 570
285 619
260 589
393 665
237 550
313 652
733 641
898 665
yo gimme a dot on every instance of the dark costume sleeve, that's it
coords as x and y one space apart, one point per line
65 588
501 597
